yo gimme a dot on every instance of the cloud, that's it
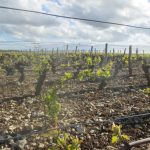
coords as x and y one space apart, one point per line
28 26
24 18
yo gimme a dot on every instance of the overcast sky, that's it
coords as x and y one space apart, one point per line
22 26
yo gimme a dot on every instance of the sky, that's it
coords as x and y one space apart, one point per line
23 26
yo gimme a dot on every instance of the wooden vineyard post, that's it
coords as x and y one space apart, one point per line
129 61
76 49
137 53
91 49
113 53
124 51
57 54
146 69
143 54
106 49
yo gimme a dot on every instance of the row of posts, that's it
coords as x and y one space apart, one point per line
94 50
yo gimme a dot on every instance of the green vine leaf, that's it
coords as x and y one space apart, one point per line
125 137
114 139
